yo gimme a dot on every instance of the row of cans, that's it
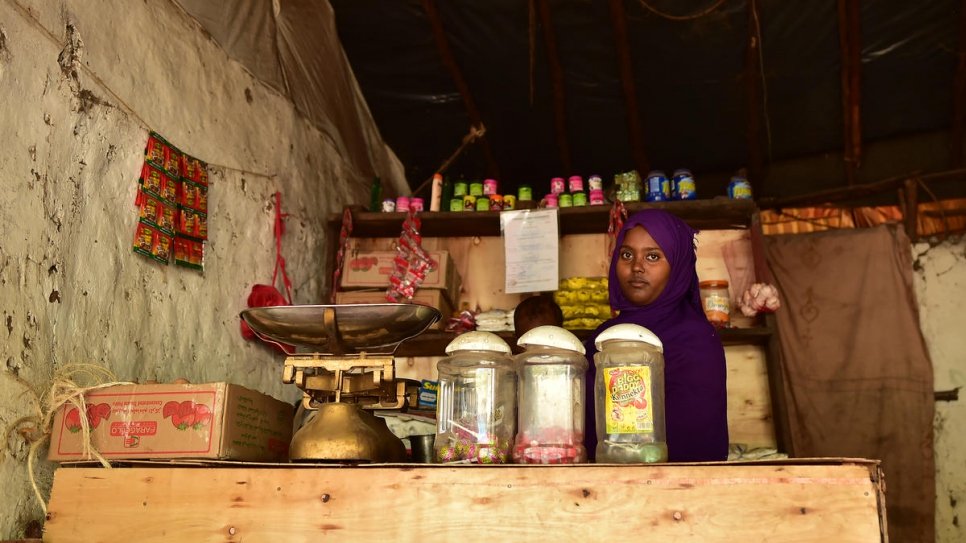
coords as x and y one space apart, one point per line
492 202
681 186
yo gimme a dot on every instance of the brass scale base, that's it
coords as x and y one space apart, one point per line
357 373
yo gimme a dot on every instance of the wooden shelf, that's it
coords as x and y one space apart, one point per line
713 214
434 342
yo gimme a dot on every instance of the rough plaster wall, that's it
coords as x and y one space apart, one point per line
941 290
80 84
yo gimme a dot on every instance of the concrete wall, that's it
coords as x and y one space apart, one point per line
941 290
80 85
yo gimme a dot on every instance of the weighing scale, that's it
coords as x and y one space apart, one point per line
350 368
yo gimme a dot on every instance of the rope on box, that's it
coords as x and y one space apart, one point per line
65 391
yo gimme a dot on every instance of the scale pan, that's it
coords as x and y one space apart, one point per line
341 329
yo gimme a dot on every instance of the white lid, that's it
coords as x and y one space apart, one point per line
552 336
629 332
478 341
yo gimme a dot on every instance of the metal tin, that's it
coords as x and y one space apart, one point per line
496 202
683 186
557 185
416 204
565 200
482 203
580 199
402 203
459 189
456 204
594 182
658 188
469 202
524 193
739 188
476 189
550 200
490 186
389 205
509 202
596 197
575 183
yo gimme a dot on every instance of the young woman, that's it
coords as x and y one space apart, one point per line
653 283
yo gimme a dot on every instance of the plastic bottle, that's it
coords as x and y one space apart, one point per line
629 396
375 195
436 194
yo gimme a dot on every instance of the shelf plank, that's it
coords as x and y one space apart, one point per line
712 214
434 342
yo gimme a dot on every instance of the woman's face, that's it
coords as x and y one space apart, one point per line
642 269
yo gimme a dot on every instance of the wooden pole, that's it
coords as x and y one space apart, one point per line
851 50
910 208
449 60
959 95
754 103
634 130
557 83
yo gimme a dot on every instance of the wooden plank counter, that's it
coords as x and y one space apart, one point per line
795 501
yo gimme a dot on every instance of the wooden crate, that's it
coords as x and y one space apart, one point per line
805 500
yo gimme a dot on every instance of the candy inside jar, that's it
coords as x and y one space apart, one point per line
551 399
475 418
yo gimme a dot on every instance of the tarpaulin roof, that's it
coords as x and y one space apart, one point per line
689 79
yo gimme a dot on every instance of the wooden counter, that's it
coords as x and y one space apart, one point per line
822 500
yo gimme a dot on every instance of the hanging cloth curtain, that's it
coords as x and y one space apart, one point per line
858 376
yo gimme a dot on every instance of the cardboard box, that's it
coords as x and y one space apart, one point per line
213 420
424 296
371 269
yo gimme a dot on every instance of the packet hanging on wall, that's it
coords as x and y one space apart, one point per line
152 243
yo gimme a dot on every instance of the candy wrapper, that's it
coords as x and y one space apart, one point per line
759 298
463 322
411 264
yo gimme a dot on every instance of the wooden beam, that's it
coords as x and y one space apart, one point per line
449 60
557 85
753 100
815 500
910 208
859 191
634 130
851 51
959 95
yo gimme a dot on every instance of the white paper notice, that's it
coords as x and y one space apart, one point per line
532 253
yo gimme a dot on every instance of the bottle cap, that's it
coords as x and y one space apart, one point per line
478 341
552 336
629 332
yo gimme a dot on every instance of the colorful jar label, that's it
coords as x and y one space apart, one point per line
627 403
476 189
459 189
717 307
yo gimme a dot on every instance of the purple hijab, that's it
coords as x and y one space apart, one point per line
694 363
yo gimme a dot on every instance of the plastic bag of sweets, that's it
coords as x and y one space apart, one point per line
191 224
189 253
155 182
152 243
194 170
158 214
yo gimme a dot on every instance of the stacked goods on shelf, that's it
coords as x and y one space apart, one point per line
584 302
366 276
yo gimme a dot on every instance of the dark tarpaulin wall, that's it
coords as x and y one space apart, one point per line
688 76
293 46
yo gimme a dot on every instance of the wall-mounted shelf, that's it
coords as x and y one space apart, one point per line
434 342
712 214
